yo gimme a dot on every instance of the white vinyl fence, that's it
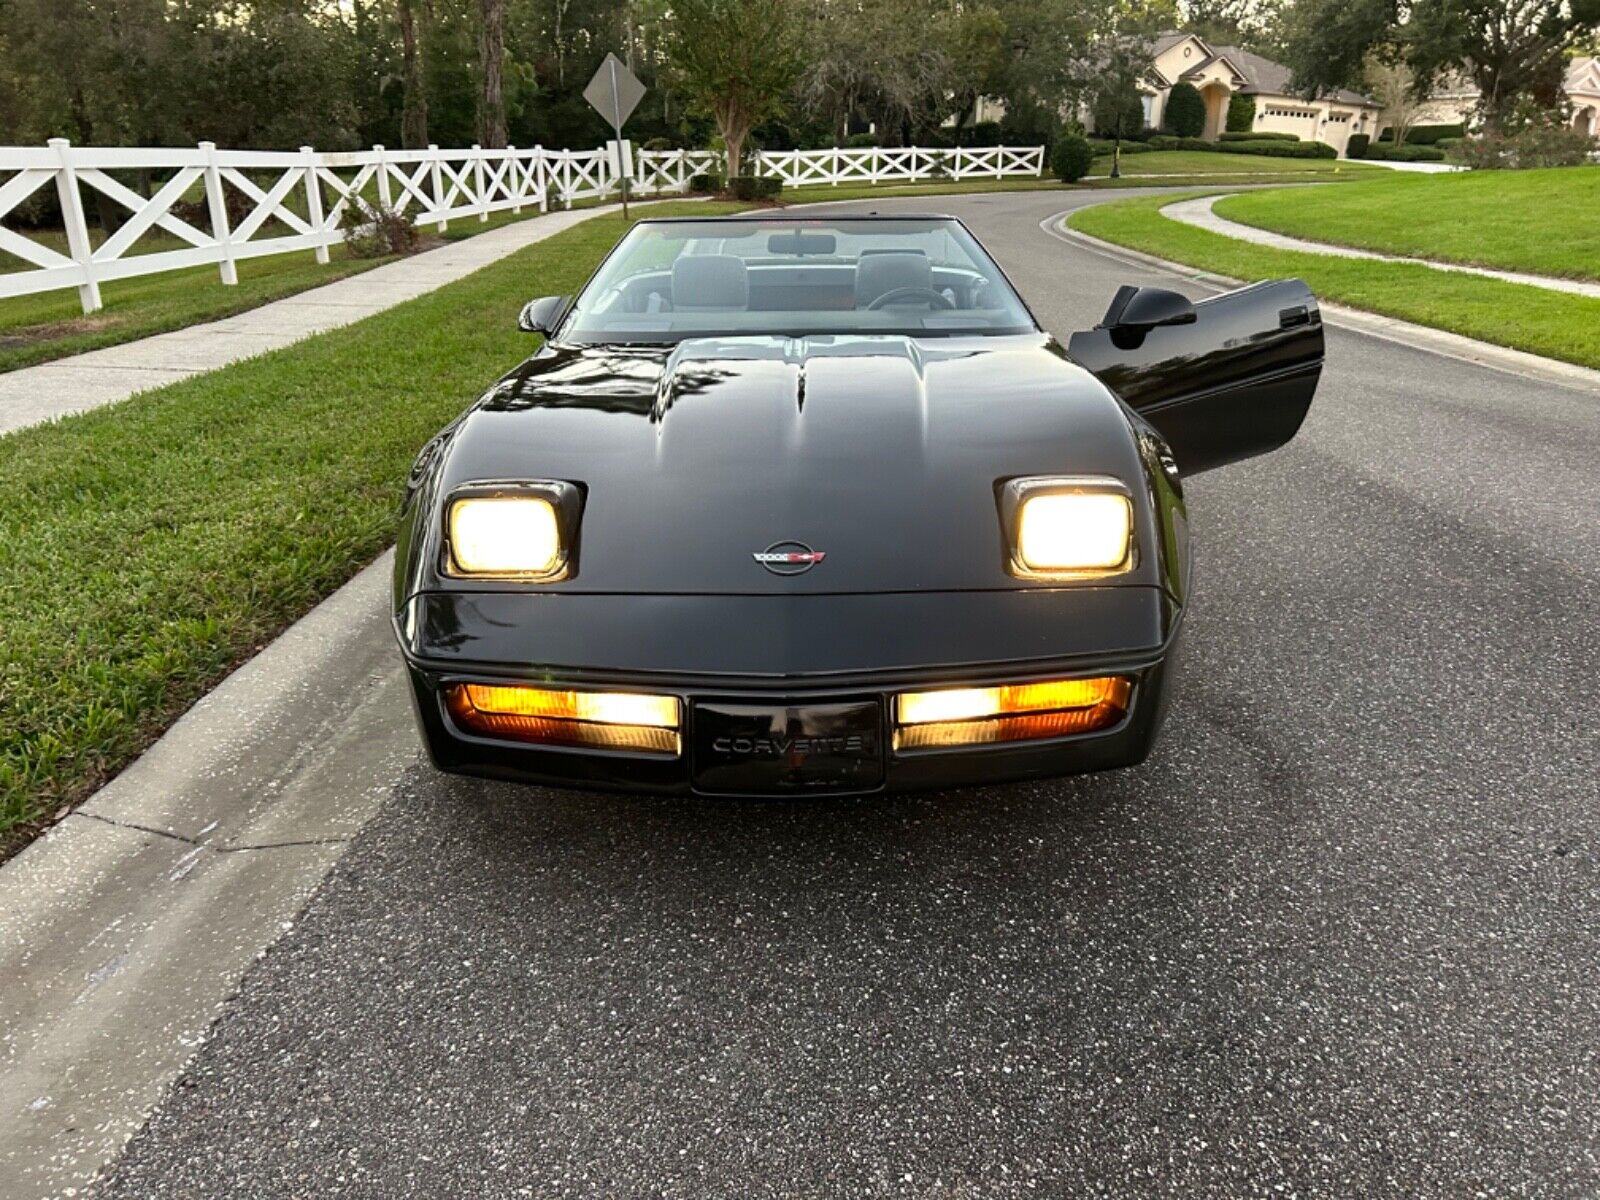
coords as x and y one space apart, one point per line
900 164
297 201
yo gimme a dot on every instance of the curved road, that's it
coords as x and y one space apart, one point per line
1340 936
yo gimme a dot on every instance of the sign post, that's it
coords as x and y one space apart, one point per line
614 93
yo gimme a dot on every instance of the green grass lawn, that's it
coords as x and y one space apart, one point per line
52 325
1524 317
1207 163
147 548
1543 222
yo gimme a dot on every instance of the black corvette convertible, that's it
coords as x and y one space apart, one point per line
812 505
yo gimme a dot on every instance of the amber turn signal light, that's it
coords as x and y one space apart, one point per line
1009 713
604 720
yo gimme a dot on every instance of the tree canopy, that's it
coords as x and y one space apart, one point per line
340 74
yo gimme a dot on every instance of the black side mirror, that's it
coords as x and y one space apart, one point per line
1142 309
540 316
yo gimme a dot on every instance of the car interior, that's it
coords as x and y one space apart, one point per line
806 277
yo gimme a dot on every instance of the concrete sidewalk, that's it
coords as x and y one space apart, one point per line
84 381
1199 213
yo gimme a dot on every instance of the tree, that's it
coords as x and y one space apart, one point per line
1393 84
1116 105
491 66
1326 41
1186 111
736 61
1511 49
414 110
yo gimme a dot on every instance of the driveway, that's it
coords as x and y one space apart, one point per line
1339 936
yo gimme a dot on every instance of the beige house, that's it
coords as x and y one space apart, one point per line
1455 100
1221 72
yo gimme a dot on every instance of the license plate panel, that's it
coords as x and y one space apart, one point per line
787 749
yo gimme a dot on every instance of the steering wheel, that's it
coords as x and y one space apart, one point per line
935 299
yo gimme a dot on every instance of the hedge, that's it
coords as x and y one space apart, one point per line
1356 147
1388 153
1425 135
1260 137
1107 146
1272 148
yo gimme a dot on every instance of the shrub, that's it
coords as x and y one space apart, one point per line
1241 114
1261 137
373 231
1548 145
755 187
1186 111
659 143
1356 147
1070 157
861 141
702 184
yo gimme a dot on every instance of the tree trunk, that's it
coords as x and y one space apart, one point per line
492 60
414 107
734 127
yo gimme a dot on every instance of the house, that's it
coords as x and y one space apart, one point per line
1221 72
1454 99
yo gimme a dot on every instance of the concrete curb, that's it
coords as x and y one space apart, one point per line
1419 337
128 925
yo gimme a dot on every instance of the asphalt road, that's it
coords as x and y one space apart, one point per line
1339 936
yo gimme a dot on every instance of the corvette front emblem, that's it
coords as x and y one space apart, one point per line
788 558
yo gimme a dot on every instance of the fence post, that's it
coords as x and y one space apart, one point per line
77 227
541 179
514 175
438 187
385 198
314 202
477 182
872 158
217 205
999 161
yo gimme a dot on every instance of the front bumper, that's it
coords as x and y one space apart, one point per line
806 654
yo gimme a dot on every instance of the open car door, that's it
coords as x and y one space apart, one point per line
1222 379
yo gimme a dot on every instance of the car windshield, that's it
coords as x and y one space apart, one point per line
669 280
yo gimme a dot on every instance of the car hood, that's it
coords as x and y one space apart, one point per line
883 453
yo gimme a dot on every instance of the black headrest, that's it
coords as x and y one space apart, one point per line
882 272
702 281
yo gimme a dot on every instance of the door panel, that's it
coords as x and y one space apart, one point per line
1235 383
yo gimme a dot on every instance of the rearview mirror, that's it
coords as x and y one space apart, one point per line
539 316
1144 308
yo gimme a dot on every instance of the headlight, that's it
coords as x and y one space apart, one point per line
607 720
511 531
1073 526
1011 712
